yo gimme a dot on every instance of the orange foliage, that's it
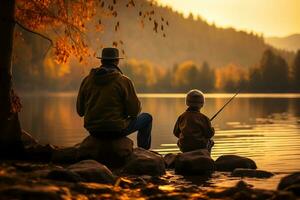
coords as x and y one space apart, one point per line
54 70
182 73
230 74
143 71
66 21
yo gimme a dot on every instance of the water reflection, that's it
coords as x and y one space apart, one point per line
264 128
52 119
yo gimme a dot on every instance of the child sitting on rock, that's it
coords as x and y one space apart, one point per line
193 128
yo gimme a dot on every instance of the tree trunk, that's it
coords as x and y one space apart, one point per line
10 130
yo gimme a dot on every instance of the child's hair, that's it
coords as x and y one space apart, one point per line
195 98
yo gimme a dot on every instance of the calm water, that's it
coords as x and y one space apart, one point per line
263 127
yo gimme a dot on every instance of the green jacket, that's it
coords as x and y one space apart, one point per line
107 100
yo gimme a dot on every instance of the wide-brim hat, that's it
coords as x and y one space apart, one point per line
110 54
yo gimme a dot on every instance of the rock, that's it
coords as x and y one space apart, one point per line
253 194
295 189
252 173
144 162
170 160
284 195
65 155
289 180
28 140
196 162
64 175
40 152
151 190
92 171
30 167
228 192
231 162
93 188
7 178
34 150
112 153
35 192
242 191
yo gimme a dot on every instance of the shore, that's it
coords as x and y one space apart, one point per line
35 180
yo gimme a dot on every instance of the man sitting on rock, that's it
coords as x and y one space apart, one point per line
109 104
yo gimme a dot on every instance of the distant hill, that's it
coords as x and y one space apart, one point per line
291 43
186 39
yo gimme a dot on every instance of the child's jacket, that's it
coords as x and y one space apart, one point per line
193 130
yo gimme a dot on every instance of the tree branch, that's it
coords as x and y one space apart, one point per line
36 33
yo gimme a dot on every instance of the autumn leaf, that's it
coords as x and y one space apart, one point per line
155 26
69 22
115 44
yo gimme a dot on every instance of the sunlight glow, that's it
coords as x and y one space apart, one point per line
270 17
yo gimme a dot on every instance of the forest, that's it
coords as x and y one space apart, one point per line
271 74
182 53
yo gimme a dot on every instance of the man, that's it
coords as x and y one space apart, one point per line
109 104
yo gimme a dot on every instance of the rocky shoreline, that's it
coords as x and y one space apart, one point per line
89 179
97 169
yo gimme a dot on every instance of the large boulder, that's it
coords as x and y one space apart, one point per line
34 150
113 153
64 175
170 160
92 171
251 173
144 162
284 195
290 183
65 155
231 162
28 140
196 162
40 152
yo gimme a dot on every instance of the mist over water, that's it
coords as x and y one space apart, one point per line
264 127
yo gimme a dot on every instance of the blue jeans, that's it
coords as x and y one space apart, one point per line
143 124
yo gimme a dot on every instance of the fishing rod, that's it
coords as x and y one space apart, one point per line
225 105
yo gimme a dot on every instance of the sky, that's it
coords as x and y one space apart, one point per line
268 17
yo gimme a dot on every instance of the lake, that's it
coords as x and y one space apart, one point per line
264 127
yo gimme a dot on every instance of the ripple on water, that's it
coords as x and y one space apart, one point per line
264 127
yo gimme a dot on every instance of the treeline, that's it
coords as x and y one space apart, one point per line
272 74
186 38
187 42
34 67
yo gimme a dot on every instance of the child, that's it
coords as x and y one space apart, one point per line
193 128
